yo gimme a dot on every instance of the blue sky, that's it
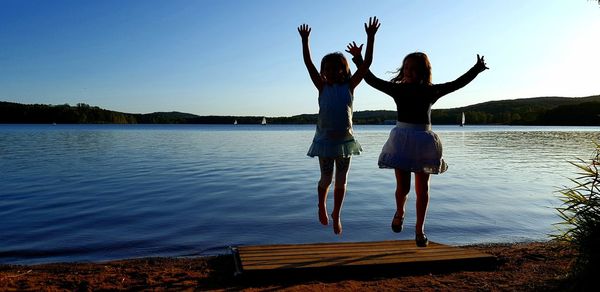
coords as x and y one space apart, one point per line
237 57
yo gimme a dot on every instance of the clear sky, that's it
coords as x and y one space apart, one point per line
241 57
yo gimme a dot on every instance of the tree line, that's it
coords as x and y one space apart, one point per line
527 111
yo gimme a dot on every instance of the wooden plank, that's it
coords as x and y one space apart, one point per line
348 254
332 257
408 256
291 250
340 250
357 260
401 243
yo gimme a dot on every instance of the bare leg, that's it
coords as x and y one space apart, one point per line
422 190
322 192
402 189
338 199
326 165
342 165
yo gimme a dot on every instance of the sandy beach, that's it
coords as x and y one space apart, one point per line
521 266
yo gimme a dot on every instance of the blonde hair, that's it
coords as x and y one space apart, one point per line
423 68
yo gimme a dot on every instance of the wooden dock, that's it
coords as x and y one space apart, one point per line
400 254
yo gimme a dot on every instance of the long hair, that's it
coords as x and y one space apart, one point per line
423 68
339 61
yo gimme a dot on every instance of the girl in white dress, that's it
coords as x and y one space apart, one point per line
412 146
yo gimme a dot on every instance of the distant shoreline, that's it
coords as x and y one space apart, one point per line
538 111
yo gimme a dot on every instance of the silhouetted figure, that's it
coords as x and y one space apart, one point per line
412 146
334 142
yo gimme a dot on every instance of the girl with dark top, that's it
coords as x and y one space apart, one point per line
412 146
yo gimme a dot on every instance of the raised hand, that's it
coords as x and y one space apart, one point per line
363 68
374 24
304 31
354 50
480 65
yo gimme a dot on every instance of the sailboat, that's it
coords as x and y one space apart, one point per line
462 121
235 122
264 121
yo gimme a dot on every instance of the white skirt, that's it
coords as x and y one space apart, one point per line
414 148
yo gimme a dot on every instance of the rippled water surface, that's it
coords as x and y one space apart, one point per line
99 192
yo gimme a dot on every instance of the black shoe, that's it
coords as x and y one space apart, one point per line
421 240
397 223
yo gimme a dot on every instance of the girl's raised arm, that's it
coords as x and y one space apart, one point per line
304 31
460 82
371 29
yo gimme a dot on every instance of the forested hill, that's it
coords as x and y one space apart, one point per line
526 111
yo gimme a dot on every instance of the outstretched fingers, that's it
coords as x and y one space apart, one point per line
372 26
481 63
304 30
354 50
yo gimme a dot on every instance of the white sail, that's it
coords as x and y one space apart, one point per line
462 122
235 122
264 121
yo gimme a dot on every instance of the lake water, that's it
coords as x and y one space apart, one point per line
101 192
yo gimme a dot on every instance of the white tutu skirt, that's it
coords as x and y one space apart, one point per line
414 148
326 148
